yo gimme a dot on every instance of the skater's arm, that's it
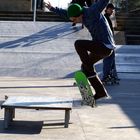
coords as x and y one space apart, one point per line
59 11
88 3
99 5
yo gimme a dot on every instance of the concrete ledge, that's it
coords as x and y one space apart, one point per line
32 102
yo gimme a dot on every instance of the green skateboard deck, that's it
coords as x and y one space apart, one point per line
85 89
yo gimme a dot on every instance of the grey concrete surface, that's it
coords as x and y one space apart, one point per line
38 59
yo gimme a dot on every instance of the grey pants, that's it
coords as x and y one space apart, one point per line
91 52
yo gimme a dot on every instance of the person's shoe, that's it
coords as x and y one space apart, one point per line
105 96
117 79
106 80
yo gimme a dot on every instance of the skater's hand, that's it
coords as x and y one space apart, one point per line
48 5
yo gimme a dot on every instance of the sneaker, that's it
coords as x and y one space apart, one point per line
105 96
106 79
117 79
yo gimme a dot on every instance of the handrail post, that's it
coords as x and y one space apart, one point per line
34 15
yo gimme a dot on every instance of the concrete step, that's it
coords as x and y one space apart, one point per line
126 20
130 23
132 41
28 16
135 31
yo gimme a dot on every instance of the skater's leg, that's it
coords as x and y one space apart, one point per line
90 52
82 47
97 52
98 87
96 84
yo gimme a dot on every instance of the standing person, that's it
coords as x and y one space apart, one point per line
40 4
109 66
101 45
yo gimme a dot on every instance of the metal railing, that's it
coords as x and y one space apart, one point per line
126 5
34 15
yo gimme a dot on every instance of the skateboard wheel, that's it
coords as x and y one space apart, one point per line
74 84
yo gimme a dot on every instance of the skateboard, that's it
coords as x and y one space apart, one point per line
85 89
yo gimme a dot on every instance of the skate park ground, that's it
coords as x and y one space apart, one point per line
39 59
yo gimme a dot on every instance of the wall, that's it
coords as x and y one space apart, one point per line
15 5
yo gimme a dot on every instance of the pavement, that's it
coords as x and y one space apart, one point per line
38 59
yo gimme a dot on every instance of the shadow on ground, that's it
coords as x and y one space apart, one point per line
127 96
22 127
48 34
31 127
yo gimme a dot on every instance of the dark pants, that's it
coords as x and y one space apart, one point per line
109 66
90 52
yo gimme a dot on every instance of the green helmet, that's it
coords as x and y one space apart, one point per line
74 10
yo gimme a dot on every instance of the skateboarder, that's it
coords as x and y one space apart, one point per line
81 3
101 45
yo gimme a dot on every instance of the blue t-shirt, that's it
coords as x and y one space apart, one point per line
97 24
